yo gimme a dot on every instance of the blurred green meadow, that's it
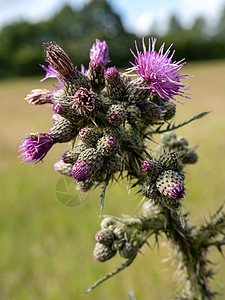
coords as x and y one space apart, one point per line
46 247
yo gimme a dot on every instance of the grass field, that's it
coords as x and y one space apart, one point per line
46 248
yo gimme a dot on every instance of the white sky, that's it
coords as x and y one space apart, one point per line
137 15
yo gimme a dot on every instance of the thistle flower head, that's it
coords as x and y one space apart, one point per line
107 145
102 252
99 51
39 97
84 101
171 185
59 61
63 168
111 74
116 114
159 72
87 165
81 171
35 147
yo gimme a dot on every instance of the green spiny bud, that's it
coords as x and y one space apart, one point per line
150 112
102 252
119 232
88 165
136 91
105 236
112 164
134 113
190 157
114 84
127 251
107 145
62 131
71 156
116 115
168 139
106 222
150 190
169 110
183 142
89 136
171 185
152 168
118 244
171 161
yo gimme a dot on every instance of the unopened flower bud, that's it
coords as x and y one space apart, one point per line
183 142
152 168
119 232
116 115
150 112
128 251
112 164
105 236
190 157
87 165
63 168
96 74
171 161
169 110
171 185
70 156
118 244
89 136
149 189
134 113
137 92
107 221
114 84
63 131
59 60
107 145
102 252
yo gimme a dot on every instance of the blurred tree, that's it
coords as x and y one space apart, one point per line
76 30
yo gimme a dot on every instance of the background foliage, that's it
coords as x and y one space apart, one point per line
76 30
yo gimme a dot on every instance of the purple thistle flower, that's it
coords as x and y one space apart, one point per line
81 171
145 165
39 97
99 51
52 73
159 72
110 142
60 61
175 190
84 101
112 74
35 147
58 107
83 70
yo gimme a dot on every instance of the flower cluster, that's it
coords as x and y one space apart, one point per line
110 119
104 112
112 238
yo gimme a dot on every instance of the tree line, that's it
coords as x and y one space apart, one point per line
21 49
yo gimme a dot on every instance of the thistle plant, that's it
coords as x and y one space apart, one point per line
110 119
